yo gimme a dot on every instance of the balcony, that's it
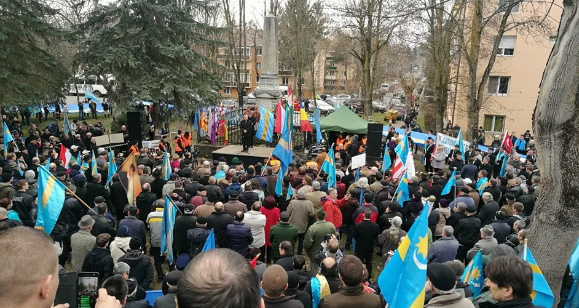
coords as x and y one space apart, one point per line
284 72
328 77
333 68
233 84
235 57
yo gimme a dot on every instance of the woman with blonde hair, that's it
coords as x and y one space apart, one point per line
390 238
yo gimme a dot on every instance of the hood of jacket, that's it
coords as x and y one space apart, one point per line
99 253
133 257
122 242
145 195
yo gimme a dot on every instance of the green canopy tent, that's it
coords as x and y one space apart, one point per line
344 120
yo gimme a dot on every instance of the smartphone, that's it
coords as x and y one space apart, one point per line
67 290
87 286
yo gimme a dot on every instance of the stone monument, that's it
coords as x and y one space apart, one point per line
268 92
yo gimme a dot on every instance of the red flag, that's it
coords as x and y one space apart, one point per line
398 169
280 118
223 126
507 142
290 98
254 261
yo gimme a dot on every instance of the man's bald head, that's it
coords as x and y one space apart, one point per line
274 281
35 284
219 278
329 267
219 206
147 187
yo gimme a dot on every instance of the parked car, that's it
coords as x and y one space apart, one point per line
342 96
379 106
229 103
324 107
355 104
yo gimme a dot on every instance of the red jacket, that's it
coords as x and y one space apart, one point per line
332 209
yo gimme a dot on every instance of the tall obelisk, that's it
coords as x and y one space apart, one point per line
268 92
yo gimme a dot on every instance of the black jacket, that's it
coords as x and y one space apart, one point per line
192 188
183 223
286 261
23 203
454 219
141 267
495 191
249 197
524 302
118 197
94 190
72 212
157 187
218 221
487 212
528 202
467 231
282 302
166 301
197 238
365 233
134 303
301 296
102 225
502 230
99 260
145 204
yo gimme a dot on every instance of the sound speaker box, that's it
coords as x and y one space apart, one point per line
374 144
134 127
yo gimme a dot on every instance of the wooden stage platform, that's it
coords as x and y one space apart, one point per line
255 155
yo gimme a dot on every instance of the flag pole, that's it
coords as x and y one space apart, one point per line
70 191
525 250
167 195
266 164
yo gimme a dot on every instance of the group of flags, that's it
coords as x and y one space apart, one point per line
402 169
211 121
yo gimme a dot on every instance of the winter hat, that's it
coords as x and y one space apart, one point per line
441 276
124 231
135 243
132 285
6 177
29 174
234 161
86 222
234 194
293 280
182 261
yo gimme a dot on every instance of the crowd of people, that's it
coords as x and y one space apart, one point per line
312 246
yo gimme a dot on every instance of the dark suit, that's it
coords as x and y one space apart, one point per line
365 233
118 198
428 155
94 190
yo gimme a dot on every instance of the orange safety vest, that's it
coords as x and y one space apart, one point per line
187 141
134 149
162 146
311 163
347 144
364 141
338 142
178 148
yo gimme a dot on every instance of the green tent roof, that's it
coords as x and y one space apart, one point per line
344 120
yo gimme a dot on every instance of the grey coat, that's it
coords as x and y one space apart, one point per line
82 242
487 245
438 160
166 301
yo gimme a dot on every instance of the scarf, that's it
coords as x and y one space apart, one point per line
320 289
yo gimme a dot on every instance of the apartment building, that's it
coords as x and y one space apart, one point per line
334 74
512 89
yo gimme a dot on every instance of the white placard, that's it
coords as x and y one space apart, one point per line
109 139
358 161
150 144
448 142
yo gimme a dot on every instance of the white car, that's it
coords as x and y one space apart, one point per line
324 107
342 96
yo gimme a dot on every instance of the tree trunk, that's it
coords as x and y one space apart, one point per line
556 128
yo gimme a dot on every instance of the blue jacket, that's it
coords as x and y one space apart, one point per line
469 171
233 186
521 145
240 237
262 182
136 227
442 250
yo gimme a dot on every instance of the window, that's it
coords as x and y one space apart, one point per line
343 83
332 64
344 74
284 81
257 79
494 123
504 4
227 91
258 51
258 65
331 74
331 83
553 39
507 45
499 85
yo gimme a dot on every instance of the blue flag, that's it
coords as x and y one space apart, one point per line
166 167
318 129
329 167
66 125
573 298
19 168
473 274
386 161
481 184
407 268
284 148
50 200
88 94
542 295
402 149
449 185
403 194
504 166
210 241
357 175
7 138
265 126
112 166
47 163
460 143
290 192
168 223
196 121
361 199
93 164
279 183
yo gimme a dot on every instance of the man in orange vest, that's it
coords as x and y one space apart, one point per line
164 144
187 141
134 149
275 163
179 146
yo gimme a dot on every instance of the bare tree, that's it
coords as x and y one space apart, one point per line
236 45
553 232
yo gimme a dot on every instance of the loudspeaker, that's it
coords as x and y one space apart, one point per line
374 144
134 127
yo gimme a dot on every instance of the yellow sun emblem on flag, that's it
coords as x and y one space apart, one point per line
423 246
475 273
